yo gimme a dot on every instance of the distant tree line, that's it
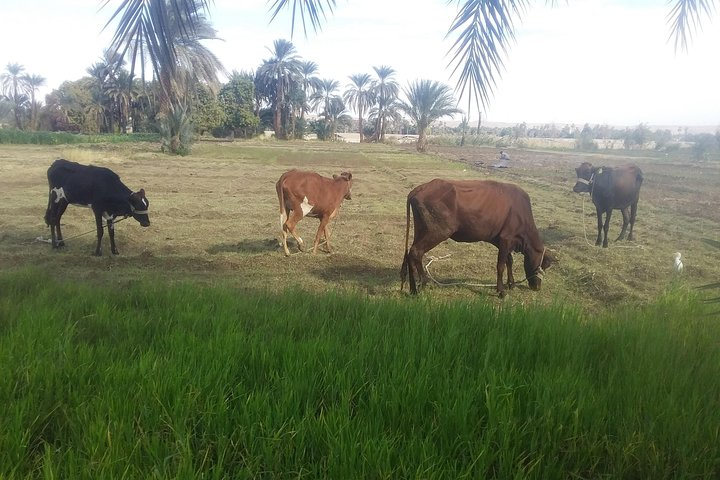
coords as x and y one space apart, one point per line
284 95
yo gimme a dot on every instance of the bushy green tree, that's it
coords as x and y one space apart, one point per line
207 112
237 101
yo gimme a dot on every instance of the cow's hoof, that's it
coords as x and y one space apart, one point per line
115 252
502 294
98 254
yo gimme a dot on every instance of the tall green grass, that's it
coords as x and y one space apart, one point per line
147 379
10 136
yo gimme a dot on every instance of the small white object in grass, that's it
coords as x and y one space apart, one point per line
678 262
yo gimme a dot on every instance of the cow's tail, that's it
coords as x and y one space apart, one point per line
406 267
281 199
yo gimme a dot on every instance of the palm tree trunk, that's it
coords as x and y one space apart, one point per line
277 121
422 139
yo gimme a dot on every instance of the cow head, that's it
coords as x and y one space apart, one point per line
346 176
535 271
139 205
585 173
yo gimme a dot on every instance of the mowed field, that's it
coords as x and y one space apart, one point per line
215 219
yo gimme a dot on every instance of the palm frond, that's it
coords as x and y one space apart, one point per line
311 10
142 26
485 29
686 17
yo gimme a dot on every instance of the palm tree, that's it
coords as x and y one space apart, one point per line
280 70
325 94
427 101
101 74
359 96
31 83
332 105
385 93
12 84
168 34
310 82
122 91
485 30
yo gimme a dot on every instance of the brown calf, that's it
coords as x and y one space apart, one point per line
309 194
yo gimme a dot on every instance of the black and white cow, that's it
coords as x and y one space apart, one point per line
98 188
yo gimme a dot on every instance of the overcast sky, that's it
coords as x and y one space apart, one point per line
595 61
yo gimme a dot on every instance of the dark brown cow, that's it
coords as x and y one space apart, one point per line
307 193
474 211
611 188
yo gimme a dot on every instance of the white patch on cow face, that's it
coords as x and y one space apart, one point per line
305 206
59 194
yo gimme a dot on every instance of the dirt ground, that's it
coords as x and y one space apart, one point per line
215 219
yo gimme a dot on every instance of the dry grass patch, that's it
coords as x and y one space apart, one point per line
215 218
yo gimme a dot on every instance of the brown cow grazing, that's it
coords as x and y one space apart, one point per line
611 188
307 193
474 211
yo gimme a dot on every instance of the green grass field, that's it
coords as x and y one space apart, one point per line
202 352
189 381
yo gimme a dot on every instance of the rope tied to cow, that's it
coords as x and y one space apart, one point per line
48 240
539 272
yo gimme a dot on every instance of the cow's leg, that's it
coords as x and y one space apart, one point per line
324 222
510 277
56 208
633 214
61 207
322 229
502 261
289 226
420 246
606 227
99 227
626 220
111 234
599 212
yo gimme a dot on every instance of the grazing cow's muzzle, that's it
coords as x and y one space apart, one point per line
139 205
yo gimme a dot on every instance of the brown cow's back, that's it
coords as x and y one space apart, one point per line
505 209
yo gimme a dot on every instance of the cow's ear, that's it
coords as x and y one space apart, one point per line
348 175
142 192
